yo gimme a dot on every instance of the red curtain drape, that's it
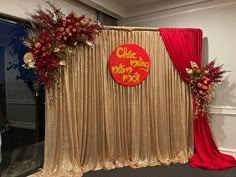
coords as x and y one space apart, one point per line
185 45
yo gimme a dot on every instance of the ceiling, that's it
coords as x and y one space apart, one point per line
131 8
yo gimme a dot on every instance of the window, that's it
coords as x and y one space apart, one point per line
21 112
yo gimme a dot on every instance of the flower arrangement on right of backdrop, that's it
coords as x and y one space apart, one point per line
202 83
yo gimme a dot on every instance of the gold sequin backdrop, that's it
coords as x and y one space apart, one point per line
92 122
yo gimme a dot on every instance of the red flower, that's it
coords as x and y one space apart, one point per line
205 82
61 29
38 45
205 72
199 85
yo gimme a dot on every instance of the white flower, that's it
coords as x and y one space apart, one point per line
56 50
194 65
89 43
189 71
29 60
62 63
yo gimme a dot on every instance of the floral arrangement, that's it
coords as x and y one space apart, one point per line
202 83
52 34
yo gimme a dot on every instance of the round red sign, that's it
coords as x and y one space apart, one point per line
129 64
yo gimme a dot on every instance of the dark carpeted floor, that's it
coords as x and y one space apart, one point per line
21 152
174 170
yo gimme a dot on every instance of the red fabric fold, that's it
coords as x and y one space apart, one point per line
207 154
185 45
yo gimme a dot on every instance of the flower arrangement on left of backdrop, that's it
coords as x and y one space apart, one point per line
53 33
202 83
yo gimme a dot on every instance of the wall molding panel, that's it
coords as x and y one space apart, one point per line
223 111
228 151
22 125
21 113
221 122
20 102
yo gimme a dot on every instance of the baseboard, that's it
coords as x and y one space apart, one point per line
22 125
223 111
228 151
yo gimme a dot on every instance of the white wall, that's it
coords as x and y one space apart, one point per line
218 24
19 8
